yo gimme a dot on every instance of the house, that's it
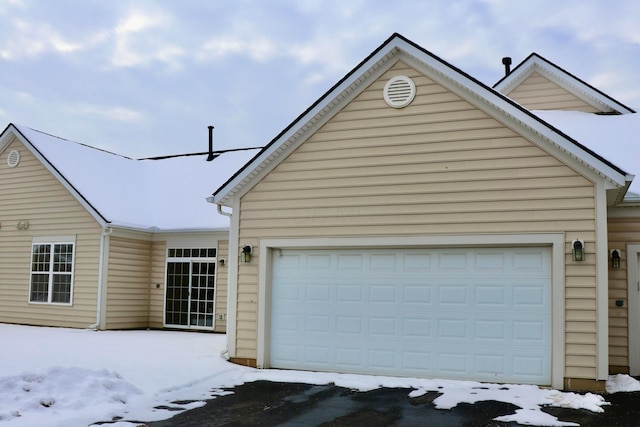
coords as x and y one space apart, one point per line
92 239
416 222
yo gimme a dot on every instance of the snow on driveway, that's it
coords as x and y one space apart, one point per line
70 377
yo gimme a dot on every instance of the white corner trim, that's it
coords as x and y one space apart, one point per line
269 248
633 307
602 283
232 280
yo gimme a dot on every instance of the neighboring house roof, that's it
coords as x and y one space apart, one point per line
615 136
396 48
579 88
155 194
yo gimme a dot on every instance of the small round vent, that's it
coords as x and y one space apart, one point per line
13 159
399 91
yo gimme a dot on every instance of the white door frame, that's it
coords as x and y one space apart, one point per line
633 308
269 248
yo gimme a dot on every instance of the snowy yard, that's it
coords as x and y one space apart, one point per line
69 377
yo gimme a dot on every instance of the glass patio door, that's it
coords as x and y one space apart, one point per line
190 294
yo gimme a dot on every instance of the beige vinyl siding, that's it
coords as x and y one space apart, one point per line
128 291
438 166
622 231
222 275
29 192
537 92
158 276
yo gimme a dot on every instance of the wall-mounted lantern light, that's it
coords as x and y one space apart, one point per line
615 258
577 250
222 261
245 254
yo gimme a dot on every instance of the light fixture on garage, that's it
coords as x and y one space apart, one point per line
615 258
577 250
245 254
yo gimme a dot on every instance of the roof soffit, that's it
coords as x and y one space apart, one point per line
470 89
567 81
314 118
526 124
7 137
11 131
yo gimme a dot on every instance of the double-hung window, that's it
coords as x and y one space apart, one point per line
51 272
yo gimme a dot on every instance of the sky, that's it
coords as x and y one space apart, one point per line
91 376
146 77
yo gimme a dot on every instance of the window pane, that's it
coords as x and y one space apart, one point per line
39 288
63 258
61 288
40 257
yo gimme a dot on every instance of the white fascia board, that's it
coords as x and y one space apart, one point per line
496 105
563 79
443 72
511 110
304 126
5 138
66 184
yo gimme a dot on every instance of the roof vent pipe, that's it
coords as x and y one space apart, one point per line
506 61
211 156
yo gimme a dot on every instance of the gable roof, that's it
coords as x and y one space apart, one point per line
393 49
155 194
616 135
579 88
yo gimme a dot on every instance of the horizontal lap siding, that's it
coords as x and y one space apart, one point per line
539 93
222 274
622 231
128 289
438 166
29 192
158 274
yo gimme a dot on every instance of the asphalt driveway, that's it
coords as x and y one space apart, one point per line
265 403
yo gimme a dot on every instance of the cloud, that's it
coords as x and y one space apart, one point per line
29 39
120 114
140 38
256 47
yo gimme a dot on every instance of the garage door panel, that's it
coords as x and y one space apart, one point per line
414 312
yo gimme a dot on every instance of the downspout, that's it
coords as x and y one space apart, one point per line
106 231
225 352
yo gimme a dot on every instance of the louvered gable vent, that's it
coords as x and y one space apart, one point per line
13 158
399 91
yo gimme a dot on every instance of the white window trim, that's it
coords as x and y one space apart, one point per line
190 260
268 249
52 242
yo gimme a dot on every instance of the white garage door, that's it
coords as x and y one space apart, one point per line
481 313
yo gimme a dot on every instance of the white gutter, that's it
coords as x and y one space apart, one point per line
106 231
221 212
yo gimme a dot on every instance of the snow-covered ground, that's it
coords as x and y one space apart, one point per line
70 377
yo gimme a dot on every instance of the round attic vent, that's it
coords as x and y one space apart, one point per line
13 159
399 91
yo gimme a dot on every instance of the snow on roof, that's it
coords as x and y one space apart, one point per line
613 137
165 194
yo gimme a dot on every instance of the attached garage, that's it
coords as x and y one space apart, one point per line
433 239
469 313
